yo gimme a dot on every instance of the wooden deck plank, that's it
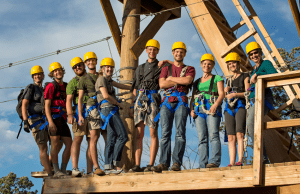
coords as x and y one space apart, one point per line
239 178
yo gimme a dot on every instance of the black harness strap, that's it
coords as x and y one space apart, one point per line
211 85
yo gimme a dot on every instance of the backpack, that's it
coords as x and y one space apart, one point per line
19 107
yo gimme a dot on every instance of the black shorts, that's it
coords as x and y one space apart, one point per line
63 129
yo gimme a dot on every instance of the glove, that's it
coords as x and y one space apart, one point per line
26 126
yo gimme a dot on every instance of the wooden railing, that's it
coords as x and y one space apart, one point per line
261 123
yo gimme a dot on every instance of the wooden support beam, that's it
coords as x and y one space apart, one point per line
283 82
258 135
283 123
272 46
294 154
131 26
238 42
168 4
280 76
288 189
296 14
263 46
112 23
240 24
139 45
174 181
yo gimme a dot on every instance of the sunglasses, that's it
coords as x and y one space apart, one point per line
253 53
76 66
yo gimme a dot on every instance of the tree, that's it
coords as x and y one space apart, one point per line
10 184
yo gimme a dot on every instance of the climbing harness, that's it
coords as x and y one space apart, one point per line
106 118
202 101
174 93
144 99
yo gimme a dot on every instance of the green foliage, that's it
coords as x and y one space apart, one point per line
10 184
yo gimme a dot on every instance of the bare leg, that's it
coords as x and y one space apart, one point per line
154 145
93 146
240 139
67 152
139 143
232 148
44 157
55 145
89 161
75 150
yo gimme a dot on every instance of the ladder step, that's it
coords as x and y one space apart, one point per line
240 24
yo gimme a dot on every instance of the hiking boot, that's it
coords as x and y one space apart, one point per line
160 167
76 172
99 172
148 168
176 167
211 165
136 168
58 174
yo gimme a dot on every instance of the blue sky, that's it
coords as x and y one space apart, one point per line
31 28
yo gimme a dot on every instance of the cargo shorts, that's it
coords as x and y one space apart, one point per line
146 116
93 119
80 131
39 136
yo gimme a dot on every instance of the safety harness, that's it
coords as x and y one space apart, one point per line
173 92
106 118
235 101
75 107
87 112
202 101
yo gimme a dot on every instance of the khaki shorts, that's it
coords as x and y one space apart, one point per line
80 131
94 119
40 136
147 117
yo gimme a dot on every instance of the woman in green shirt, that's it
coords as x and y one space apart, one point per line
262 67
208 93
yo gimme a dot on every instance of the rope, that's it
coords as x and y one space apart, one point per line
231 103
53 53
125 82
144 105
199 36
123 93
12 87
8 100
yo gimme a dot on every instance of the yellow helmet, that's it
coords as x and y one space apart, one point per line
153 43
107 61
233 56
36 69
89 55
252 46
207 56
179 45
75 61
54 65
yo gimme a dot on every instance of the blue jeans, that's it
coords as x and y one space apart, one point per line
166 119
116 139
250 123
209 127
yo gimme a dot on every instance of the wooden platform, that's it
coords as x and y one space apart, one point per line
196 179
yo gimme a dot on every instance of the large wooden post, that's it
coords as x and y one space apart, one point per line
130 32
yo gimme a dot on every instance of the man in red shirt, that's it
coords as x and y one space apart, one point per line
55 107
175 79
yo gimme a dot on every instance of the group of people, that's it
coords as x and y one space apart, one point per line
95 110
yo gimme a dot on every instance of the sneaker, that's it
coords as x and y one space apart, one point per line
136 168
114 171
229 165
238 164
99 172
58 174
176 167
159 168
148 168
76 172
211 165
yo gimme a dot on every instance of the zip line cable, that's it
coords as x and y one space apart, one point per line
8 100
53 53
199 36
12 87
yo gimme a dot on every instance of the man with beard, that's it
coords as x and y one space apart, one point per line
55 107
32 105
145 85
87 84
78 131
175 80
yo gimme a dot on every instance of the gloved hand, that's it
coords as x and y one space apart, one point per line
26 126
